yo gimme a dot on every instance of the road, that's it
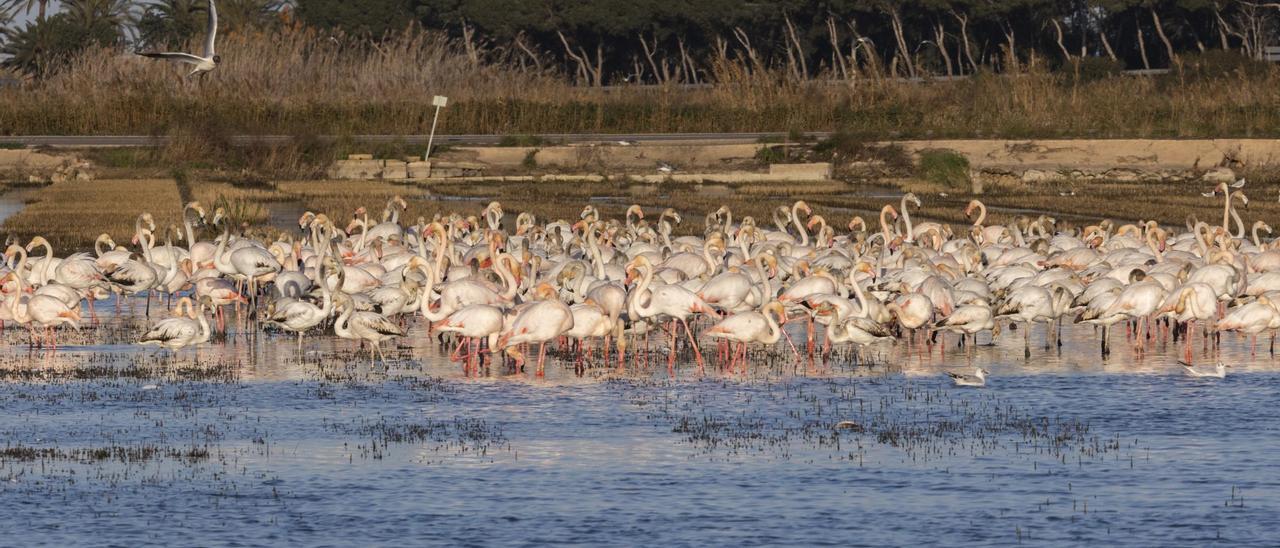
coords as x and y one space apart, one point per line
151 140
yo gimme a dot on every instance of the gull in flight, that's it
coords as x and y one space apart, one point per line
1219 371
1238 184
204 64
978 378
664 167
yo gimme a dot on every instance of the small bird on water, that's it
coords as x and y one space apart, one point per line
977 379
1219 371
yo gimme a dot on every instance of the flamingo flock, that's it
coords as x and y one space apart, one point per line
605 291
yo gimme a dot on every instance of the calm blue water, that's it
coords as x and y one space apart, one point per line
1059 449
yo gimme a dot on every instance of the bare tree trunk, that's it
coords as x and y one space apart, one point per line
1057 28
752 55
1012 54
838 65
964 39
1142 48
800 67
940 39
637 70
896 20
468 39
533 56
1222 28
586 72
1168 46
660 75
686 62
1106 45
599 72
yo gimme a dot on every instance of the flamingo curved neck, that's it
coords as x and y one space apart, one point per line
795 221
646 277
906 219
982 213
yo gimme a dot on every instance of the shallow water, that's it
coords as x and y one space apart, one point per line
245 443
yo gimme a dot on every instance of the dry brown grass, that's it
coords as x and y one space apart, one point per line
72 214
296 82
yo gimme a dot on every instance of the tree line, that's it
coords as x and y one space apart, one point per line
615 42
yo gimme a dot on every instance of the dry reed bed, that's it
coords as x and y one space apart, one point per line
297 82
72 214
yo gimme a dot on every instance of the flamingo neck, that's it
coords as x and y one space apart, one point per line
906 219
795 221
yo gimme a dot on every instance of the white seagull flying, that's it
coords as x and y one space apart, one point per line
202 64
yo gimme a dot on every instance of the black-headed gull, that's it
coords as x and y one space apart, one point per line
202 64
978 378
1219 371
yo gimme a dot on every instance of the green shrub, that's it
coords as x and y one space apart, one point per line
521 141
772 155
944 167
530 159
123 157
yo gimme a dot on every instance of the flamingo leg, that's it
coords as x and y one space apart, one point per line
1186 340
1026 341
694 343
542 358
671 353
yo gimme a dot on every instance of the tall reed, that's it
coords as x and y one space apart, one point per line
301 82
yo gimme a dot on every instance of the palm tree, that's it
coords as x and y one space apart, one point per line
26 6
88 14
171 22
249 14
44 45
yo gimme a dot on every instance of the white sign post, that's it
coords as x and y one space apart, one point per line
439 101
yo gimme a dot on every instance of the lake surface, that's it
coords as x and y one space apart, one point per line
246 443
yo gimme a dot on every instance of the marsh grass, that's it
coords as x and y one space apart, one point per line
72 214
945 168
297 82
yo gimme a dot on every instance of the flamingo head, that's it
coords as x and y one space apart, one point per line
545 291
